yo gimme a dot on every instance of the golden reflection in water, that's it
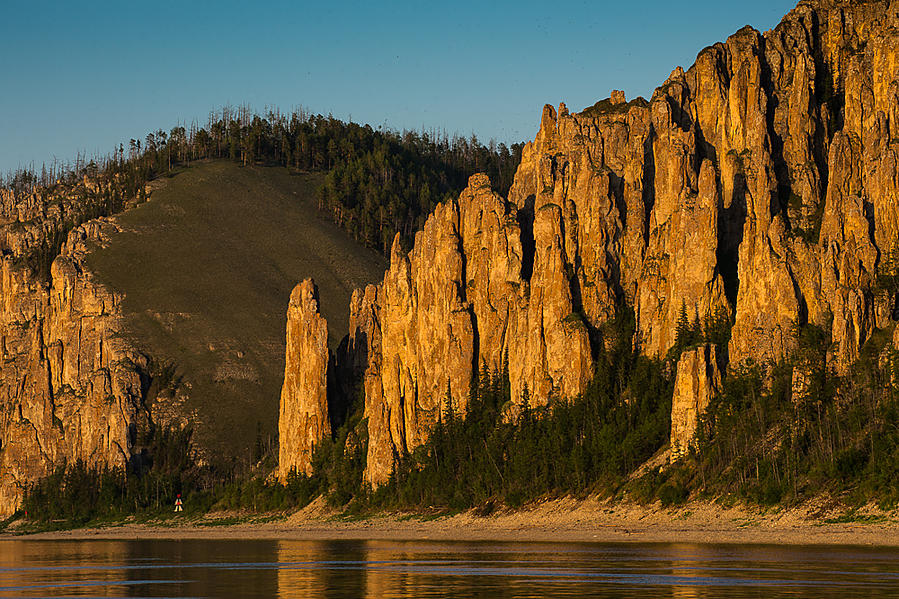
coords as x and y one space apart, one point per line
295 579
371 569
36 566
386 579
687 562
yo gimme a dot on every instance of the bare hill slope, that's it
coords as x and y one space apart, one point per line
207 266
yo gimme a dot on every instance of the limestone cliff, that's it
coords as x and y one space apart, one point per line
303 420
71 387
698 379
462 298
760 184
756 170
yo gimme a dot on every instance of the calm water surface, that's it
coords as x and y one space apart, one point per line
344 569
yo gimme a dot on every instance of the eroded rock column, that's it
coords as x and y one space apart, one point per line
698 379
303 421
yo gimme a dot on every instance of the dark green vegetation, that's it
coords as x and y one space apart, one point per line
690 333
381 184
75 494
207 267
770 441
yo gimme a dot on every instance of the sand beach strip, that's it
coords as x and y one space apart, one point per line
560 520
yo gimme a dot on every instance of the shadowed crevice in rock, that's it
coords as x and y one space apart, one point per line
339 403
824 131
649 189
345 377
730 236
475 343
782 187
525 218
616 189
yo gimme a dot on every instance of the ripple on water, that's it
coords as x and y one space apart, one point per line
234 568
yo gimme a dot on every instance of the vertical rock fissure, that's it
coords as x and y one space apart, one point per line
649 177
525 217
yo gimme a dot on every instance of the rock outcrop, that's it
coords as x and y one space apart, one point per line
461 299
303 421
759 188
697 381
72 388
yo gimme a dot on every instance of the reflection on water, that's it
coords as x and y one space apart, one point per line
341 569
686 564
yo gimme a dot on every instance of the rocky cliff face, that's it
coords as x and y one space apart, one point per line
770 159
303 420
486 285
698 379
71 387
760 184
462 298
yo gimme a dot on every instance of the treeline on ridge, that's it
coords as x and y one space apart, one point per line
379 182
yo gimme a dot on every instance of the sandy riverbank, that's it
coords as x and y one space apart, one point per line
564 520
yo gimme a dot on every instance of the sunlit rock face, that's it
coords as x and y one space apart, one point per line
759 186
460 299
71 385
303 420
698 379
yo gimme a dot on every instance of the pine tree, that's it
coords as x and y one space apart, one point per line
448 404
682 331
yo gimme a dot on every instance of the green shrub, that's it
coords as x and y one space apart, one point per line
671 494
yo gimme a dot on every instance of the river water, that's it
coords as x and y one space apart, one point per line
343 569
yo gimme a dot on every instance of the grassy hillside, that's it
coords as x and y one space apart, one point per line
207 266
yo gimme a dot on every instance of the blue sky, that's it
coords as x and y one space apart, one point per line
84 76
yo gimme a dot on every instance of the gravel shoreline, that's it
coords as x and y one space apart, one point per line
561 520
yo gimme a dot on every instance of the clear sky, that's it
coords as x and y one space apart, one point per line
84 76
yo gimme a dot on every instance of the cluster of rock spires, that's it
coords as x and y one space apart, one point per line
761 184
70 387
